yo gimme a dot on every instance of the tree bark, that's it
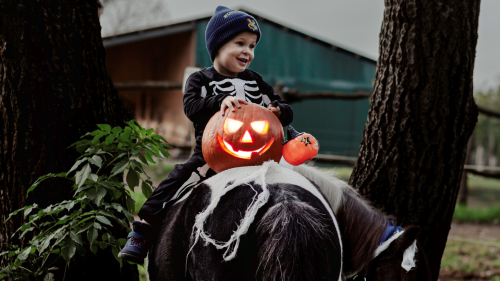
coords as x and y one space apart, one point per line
421 116
54 89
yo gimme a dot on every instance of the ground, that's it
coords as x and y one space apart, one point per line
472 253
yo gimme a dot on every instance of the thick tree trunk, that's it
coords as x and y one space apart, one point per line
54 88
421 116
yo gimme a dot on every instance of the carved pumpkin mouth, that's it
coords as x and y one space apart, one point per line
243 154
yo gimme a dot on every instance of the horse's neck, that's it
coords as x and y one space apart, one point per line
361 227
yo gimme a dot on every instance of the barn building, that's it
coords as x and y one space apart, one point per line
148 68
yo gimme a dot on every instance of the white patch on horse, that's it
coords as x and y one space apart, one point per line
273 173
257 202
409 261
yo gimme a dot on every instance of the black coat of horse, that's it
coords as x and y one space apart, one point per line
273 223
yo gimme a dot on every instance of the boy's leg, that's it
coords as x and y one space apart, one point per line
180 180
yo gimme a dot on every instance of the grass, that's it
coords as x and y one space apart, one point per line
461 259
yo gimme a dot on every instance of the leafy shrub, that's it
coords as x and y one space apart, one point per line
484 215
86 222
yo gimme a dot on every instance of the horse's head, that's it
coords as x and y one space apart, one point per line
389 264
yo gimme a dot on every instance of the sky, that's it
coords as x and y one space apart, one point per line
350 24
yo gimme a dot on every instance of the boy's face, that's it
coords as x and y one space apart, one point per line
236 54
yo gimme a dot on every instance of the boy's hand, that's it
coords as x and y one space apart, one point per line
275 110
228 103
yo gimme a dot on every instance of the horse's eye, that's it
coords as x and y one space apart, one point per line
260 127
231 125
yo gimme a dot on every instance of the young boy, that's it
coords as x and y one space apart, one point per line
231 37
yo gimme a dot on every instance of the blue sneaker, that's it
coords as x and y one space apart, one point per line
138 244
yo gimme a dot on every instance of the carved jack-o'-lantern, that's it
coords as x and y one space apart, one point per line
248 136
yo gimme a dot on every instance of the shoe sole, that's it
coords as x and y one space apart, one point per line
131 258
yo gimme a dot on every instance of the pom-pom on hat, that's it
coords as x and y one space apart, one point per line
224 25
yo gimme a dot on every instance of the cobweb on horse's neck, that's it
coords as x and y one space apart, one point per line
258 201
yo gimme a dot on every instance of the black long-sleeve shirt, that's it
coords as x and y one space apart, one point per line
205 90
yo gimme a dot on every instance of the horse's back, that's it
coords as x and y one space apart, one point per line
291 237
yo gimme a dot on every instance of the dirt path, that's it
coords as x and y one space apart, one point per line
475 236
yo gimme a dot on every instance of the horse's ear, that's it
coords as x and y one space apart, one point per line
407 238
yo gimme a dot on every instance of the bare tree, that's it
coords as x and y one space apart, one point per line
121 16
421 116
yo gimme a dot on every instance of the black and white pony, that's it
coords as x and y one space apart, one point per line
274 223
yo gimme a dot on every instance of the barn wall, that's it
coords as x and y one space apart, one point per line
157 59
305 64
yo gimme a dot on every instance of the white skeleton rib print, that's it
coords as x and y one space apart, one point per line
247 90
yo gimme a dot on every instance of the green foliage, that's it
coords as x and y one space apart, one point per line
484 215
73 227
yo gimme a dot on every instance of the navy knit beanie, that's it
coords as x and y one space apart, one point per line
224 25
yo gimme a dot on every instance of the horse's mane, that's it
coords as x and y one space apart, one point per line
357 219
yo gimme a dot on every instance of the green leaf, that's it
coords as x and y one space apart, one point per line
85 226
80 250
119 167
77 163
68 250
70 205
100 193
104 220
96 138
132 179
128 215
103 245
97 225
109 139
76 237
93 249
116 130
142 158
24 254
49 277
146 189
27 210
96 160
92 235
117 207
13 214
82 175
115 251
94 177
164 152
148 157
104 127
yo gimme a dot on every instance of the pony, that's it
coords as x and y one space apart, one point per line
279 223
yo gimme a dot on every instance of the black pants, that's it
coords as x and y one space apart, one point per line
182 178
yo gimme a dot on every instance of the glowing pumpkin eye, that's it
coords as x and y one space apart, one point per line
260 126
231 125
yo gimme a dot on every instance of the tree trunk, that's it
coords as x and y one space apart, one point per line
54 88
421 116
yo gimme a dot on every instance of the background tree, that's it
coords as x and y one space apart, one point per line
54 88
421 116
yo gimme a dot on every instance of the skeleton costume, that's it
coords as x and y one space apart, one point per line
203 96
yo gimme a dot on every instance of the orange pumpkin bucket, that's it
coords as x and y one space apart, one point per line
300 147
248 136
